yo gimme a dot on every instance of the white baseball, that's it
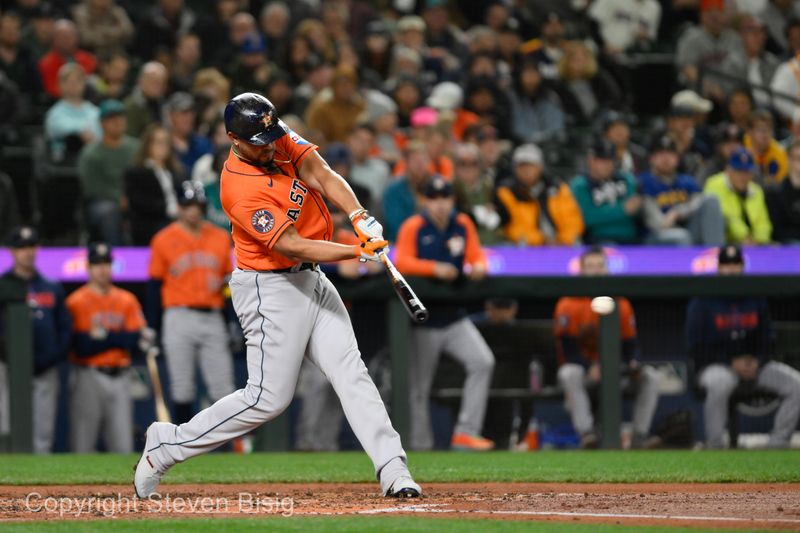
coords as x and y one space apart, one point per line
603 305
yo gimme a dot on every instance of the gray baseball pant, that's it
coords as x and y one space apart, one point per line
720 380
572 378
286 316
195 338
100 403
320 418
44 398
5 408
464 343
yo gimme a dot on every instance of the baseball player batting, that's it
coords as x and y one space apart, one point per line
272 189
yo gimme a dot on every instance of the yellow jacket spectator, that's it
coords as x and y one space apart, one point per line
742 201
534 211
334 112
770 157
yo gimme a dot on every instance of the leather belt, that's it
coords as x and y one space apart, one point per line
296 268
112 371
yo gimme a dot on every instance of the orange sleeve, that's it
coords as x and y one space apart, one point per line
627 320
261 217
295 147
473 253
134 318
406 258
158 259
564 319
447 168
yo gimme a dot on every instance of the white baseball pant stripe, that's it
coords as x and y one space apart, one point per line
719 381
463 342
285 317
195 338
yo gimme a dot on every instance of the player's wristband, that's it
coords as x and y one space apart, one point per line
356 213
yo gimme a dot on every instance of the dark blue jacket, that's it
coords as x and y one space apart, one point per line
51 321
720 329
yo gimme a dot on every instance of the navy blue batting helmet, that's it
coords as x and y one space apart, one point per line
253 119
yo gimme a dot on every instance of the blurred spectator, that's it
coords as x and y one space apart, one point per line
676 211
549 49
102 25
314 32
15 59
241 34
681 126
783 201
753 68
441 35
577 342
108 329
13 110
213 28
211 91
64 50
740 106
474 190
151 184
727 138
72 121
535 108
299 58
38 36
497 312
250 67
143 105
608 198
101 167
318 76
376 51
279 91
340 159
509 41
449 97
585 86
401 198
707 45
203 170
770 157
534 209
616 128
51 333
785 88
742 201
626 24
729 340
428 128
442 244
185 62
367 170
187 145
334 113
157 32
777 15
485 99
214 212
111 79
408 96
273 21
9 212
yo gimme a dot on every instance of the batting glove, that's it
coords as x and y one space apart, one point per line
368 251
366 226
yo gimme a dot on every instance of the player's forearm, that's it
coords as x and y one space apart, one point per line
338 191
307 250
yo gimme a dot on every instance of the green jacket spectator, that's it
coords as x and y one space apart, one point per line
742 201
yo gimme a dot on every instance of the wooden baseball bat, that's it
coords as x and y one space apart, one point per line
162 414
416 309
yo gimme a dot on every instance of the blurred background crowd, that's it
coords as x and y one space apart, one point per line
558 123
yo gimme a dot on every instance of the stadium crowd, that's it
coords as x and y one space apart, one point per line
532 109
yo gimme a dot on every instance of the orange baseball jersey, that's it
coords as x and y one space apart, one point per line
192 268
575 319
262 202
117 311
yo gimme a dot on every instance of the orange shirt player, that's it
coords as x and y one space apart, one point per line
272 189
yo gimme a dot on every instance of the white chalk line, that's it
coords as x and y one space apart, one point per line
432 508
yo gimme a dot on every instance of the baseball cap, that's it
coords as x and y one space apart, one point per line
111 108
663 143
730 255
741 159
603 149
338 154
99 252
180 101
612 117
22 237
445 95
253 43
438 188
691 100
411 22
527 153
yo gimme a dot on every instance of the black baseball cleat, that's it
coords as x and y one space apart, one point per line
404 487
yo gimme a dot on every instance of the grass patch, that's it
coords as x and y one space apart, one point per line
573 466
362 523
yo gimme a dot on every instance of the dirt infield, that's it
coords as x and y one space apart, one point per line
772 506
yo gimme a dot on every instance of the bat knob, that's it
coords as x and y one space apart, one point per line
421 315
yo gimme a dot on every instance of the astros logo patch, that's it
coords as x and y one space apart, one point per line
262 221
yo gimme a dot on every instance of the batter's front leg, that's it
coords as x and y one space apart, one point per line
334 350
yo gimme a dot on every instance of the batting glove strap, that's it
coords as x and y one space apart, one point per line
366 226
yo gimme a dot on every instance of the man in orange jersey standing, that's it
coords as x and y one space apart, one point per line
189 265
272 190
108 326
577 340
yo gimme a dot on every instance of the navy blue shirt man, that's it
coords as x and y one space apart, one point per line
729 339
51 333
443 244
